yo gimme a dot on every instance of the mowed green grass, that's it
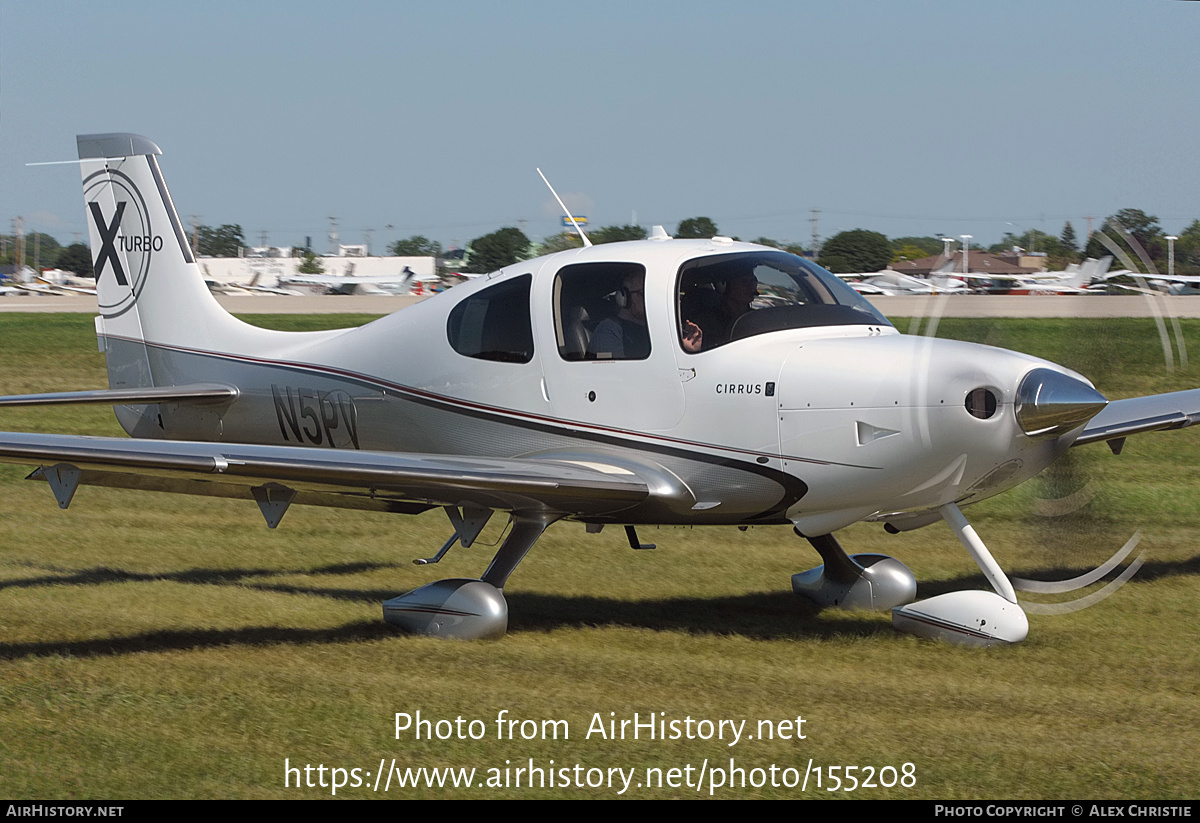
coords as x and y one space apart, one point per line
159 646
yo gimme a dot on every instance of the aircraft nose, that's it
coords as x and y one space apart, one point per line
1050 403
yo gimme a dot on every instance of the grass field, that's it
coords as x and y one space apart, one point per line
155 646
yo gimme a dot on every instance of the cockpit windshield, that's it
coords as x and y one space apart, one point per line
730 297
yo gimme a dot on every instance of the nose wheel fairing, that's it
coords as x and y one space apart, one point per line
970 618
966 618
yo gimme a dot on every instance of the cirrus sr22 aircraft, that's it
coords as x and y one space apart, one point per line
745 386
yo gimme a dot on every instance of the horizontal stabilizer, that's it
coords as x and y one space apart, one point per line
1137 415
194 393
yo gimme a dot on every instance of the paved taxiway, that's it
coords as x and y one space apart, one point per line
958 305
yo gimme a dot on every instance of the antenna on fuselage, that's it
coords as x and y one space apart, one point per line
566 211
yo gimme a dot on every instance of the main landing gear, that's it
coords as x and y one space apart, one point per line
463 608
876 581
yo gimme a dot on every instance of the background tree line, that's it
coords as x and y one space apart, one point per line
860 250
1131 232
219 241
1137 234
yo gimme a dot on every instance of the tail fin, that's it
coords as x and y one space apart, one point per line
151 294
148 285
1090 271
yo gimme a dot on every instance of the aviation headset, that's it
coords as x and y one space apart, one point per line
623 297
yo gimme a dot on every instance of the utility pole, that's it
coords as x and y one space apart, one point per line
195 218
19 243
816 235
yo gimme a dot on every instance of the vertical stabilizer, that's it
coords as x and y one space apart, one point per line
149 290
148 285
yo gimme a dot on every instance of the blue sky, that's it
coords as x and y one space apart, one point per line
918 117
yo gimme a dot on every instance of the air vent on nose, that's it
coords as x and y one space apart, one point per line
981 403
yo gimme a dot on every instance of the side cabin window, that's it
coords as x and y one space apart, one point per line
494 324
733 296
600 312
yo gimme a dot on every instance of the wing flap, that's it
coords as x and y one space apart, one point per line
497 483
1137 415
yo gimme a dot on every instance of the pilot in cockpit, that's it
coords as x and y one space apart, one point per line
625 336
710 327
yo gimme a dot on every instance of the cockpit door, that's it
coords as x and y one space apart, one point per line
609 356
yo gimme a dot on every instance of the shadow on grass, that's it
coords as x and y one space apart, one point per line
757 616
761 616
103 575
186 640
1150 571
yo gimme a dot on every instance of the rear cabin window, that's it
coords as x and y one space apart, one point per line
600 312
494 324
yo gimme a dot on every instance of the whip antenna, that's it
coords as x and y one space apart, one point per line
566 211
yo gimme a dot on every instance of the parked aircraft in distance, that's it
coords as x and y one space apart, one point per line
1169 283
353 284
893 283
1077 278
45 286
660 381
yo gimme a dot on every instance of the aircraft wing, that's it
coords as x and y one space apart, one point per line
77 289
61 287
344 280
1170 278
1155 412
280 475
38 288
1014 278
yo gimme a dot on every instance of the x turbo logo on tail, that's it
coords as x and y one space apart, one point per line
108 249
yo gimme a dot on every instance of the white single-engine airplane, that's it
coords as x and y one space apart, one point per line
653 382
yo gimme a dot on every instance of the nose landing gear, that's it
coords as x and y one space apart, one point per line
878 582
